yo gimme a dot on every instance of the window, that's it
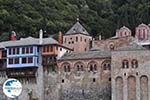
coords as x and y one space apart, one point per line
14 50
92 66
37 60
51 48
95 67
44 49
94 80
109 79
60 49
27 50
125 33
125 64
23 50
134 63
106 65
47 48
17 50
84 40
111 47
31 49
76 39
66 67
143 33
62 81
24 60
68 42
80 38
10 61
16 60
72 42
79 67
9 51
30 60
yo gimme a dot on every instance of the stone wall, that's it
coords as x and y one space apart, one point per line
111 44
86 84
77 42
130 83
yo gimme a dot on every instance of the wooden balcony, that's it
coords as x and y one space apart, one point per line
49 50
22 72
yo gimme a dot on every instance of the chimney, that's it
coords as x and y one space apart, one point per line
117 33
60 38
41 36
13 36
100 37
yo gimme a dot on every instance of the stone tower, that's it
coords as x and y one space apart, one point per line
77 38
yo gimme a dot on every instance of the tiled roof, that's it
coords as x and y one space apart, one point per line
77 28
144 42
87 55
28 41
131 47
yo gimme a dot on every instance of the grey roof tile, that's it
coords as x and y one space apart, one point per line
131 47
77 28
87 55
27 41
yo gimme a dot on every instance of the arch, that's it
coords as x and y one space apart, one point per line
111 45
92 66
66 67
144 87
124 31
142 31
125 64
106 65
119 88
134 63
79 66
131 88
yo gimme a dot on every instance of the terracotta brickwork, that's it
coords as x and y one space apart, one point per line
112 44
143 32
77 42
85 74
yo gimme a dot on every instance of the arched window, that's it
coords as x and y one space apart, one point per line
111 46
66 67
79 66
92 66
95 67
125 64
125 33
134 63
76 39
106 65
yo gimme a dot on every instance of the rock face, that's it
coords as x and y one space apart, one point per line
80 93
72 91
